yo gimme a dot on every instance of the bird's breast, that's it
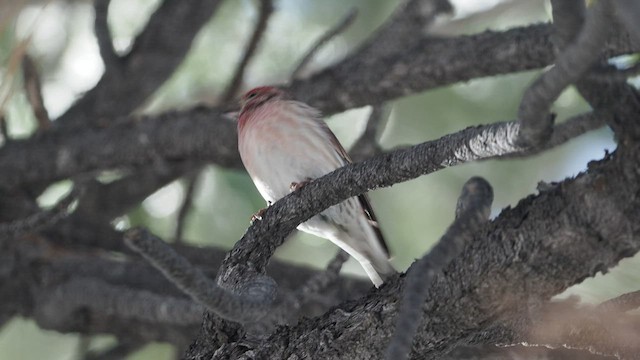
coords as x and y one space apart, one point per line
277 151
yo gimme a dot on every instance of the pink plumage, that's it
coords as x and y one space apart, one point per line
284 143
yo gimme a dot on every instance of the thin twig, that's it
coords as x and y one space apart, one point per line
249 304
334 31
187 203
623 303
33 91
84 342
321 280
119 351
475 204
40 219
103 35
12 67
367 144
536 124
4 130
266 9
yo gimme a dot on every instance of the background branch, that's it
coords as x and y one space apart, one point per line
250 305
334 31
105 42
266 9
169 32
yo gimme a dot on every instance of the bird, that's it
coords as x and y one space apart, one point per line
284 144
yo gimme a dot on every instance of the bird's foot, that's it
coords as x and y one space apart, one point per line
298 185
258 215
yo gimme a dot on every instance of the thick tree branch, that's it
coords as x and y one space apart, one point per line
447 61
56 306
204 134
471 144
617 96
432 63
623 303
474 207
535 122
195 134
566 325
525 256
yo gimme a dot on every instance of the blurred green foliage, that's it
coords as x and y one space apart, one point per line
413 214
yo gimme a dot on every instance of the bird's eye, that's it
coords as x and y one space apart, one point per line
251 95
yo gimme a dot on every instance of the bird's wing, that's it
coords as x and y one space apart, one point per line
363 199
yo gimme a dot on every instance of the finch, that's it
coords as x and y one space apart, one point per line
284 144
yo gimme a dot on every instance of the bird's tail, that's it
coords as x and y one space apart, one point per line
377 268
374 263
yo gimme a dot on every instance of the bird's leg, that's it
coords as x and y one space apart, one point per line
297 185
258 215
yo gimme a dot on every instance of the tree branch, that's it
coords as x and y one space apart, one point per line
56 306
174 136
187 202
33 91
248 305
623 303
474 208
471 144
266 9
40 219
572 63
616 96
433 63
367 144
334 31
156 53
564 324
525 256
321 280
628 12
111 60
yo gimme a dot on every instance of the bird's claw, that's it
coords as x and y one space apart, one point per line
298 185
258 215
